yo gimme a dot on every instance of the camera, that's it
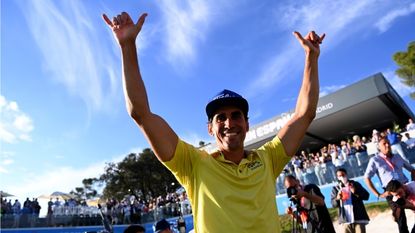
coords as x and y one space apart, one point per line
340 184
400 201
290 192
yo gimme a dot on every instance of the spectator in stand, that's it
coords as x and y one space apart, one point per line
49 216
309 177
330 169
348 197
410 142
36 210
375 136
411 125
339 160
346 150
395 141
26 203
388 166
298 167
126 210
16 208
318 169
360 150
57 202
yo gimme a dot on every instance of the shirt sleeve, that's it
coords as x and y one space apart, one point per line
183 162
371 168
276 152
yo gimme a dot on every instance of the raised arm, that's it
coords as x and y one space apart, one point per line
161 137
293 132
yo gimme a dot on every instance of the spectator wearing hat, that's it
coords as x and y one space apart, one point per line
162 226
231 189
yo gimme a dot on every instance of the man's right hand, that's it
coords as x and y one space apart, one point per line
384 195
123 27
339 195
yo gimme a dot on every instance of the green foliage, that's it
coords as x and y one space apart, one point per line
406 63
137 174
86 192
396 128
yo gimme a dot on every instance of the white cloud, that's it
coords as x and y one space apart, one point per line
15 125
63 179
386 21
325 90
186 23
6 159
73 52
340 20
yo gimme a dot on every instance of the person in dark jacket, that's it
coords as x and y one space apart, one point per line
310 199
348 196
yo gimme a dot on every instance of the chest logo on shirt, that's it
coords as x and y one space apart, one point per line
254 165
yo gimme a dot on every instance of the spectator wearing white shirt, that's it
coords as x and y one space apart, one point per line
411 125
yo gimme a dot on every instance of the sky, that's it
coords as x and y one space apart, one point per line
63 115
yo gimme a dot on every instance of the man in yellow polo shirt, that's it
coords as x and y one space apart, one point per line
231 190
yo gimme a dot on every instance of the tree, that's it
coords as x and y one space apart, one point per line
406 71
137 174
88 190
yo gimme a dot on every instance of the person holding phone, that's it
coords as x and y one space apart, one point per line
348 197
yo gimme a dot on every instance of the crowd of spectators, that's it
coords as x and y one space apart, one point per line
133 209
21 215
315 167
319 167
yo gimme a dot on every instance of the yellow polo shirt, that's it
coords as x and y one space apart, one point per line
229 197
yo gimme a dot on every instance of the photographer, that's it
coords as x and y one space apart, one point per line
310 200
403 195
348 196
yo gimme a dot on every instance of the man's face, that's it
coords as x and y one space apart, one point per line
341 175
229 127
289 182
384 146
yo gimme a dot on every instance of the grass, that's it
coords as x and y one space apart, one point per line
371 208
